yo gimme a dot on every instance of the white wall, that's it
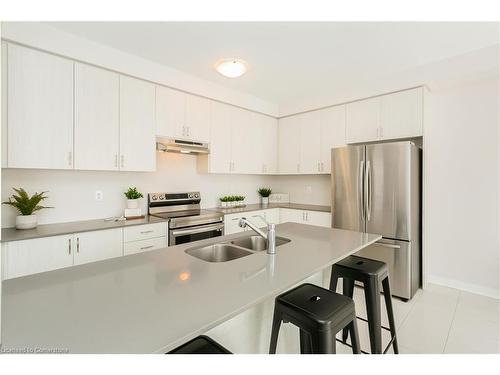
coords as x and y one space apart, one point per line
462 187
311 189
72 193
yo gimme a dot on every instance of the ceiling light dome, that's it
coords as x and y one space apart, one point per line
231 68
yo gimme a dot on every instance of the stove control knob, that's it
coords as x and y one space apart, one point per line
197 195
190 195
154 197
161 197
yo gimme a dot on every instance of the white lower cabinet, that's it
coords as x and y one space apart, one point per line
322 219
94 246
141 238
141 246
21 258
276 216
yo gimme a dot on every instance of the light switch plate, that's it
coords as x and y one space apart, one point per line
98 195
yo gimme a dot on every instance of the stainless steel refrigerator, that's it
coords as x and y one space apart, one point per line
376 188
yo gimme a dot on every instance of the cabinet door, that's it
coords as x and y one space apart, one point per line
289 145
272 215
21 258
332 122
288 215
269 142
231 224
93 246
220 139
363 120
137 125
401 114
40 110
310 142
244 139
170 112
322 219
198 118
97 125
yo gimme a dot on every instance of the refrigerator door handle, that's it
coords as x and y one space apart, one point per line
361 189
390 246
368 190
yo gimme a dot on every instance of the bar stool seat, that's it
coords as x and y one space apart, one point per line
319 313
200 345
371 273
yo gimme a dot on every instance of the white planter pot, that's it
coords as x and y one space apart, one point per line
223 204
26 222
132 203
264 201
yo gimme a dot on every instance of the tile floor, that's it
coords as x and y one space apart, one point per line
438 320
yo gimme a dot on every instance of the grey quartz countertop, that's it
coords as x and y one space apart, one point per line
48 230
152 302
257 206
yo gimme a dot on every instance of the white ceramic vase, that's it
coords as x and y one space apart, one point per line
264 201
132 203
26 222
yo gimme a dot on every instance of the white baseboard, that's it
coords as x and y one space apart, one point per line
460 285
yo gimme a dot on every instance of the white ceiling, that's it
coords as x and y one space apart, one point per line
291 60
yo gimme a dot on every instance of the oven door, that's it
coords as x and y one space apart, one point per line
195 233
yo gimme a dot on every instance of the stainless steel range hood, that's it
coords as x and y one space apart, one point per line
181 146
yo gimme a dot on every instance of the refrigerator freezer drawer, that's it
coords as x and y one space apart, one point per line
397 255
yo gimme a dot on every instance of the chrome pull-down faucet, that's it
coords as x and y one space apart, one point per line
270 236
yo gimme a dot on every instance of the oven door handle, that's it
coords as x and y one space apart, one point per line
208 228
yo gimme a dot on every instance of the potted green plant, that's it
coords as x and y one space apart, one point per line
27 206
224 201
264 193
133 197
241 200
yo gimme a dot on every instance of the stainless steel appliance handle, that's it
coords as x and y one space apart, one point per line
361 185
389 245
207 228
368 190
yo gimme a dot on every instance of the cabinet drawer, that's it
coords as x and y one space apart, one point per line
144 245
143 232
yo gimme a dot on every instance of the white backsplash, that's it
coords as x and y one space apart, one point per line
72 193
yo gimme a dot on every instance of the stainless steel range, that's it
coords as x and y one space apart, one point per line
187 222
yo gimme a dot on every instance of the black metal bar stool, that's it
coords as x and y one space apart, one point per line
200 345
320 314
371 273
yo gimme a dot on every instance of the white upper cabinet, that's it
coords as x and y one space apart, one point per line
402 114
269 144
246 137
392 116
310 141
198 113
93 246
332 124
363 120
289 145
97 121
39 110
219 159
181 115
170 112
137 125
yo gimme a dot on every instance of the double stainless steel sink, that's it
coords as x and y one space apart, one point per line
238 248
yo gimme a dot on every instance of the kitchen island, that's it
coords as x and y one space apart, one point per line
152 302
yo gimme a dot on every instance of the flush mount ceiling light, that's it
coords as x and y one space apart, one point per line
231 68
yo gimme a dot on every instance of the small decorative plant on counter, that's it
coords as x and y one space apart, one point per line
27 206
232 201
264 193
240 200
224 201
133 197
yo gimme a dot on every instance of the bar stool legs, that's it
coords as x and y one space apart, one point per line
390 314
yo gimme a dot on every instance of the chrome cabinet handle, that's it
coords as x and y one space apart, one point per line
361 185
69 246
123 160
298 167
147 231
116 160
70 158
78 244
147 247
322 169
188 131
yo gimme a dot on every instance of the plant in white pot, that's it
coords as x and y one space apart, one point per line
264 193
133 197
27 206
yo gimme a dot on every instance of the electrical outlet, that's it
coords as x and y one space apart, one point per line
309 189
98 195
